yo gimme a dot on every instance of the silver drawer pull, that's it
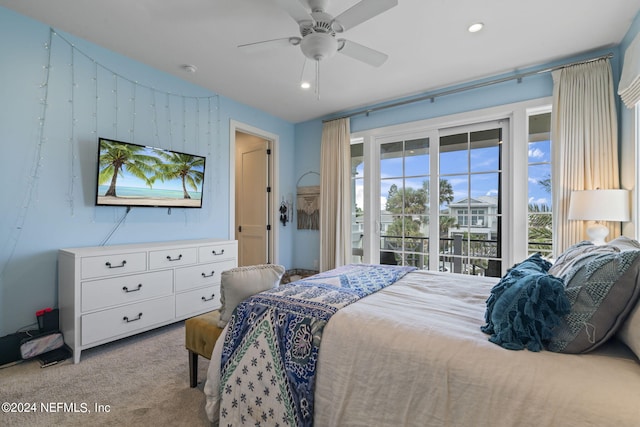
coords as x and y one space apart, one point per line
108 264
208 275
174 259
124 288
208 299
126 319
217 253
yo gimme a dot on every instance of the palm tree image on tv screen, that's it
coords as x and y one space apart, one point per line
136 175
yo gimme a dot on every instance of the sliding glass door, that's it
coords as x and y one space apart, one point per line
404 198
435 199
470 219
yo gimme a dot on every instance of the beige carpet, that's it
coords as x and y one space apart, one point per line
144 380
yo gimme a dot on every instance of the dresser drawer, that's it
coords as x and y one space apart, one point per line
126 319
198 301
111 265
201 275
169 258
219 252
125 289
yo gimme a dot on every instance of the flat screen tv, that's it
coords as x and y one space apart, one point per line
137 175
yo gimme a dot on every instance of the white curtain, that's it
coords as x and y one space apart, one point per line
629 86
335 195
585 142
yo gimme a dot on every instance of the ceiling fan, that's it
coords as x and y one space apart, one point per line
318 30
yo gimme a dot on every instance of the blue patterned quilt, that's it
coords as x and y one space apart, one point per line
271 347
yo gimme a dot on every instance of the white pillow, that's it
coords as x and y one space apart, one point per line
630 331
240 283
624 243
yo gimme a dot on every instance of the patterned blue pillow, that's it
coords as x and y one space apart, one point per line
602 287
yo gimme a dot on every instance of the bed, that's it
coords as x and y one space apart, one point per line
412 354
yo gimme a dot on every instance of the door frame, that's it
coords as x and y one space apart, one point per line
236 126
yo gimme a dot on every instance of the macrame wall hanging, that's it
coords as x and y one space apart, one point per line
308 205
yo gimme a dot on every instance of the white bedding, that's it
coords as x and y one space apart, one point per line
413 354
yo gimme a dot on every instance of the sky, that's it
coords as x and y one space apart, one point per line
475 174
539 169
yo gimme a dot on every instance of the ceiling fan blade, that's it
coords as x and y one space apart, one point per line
269 44
296 10
361 12
362 53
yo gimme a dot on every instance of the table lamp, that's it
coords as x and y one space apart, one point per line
599 205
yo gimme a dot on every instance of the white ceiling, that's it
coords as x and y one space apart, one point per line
426 40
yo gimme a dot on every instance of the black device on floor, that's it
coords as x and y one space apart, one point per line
54 356
10 347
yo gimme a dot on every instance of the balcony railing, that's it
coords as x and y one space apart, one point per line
456 254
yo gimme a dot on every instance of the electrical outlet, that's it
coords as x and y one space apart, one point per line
315 264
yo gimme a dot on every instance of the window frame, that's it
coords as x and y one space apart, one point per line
633 228
515 158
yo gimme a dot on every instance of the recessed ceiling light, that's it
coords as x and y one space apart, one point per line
190 68
475 27
305 85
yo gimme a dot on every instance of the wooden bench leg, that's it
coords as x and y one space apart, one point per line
193 369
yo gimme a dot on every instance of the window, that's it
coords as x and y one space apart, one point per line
477 216
449 193
470 160
357 201
404 199
447 220
462 216
540 212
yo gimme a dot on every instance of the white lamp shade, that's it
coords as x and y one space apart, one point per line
599 205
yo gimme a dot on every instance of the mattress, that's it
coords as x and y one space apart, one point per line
412 354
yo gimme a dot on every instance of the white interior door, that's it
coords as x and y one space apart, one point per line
252 182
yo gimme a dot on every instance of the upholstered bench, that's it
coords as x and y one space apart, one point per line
236 285
201 332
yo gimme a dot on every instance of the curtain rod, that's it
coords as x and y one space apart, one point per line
435 95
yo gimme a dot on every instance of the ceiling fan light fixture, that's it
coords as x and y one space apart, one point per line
475 27
318 46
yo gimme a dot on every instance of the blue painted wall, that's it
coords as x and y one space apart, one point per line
48 155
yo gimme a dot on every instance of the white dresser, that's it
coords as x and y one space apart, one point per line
109 292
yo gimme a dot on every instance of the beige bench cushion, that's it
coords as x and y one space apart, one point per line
202 332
